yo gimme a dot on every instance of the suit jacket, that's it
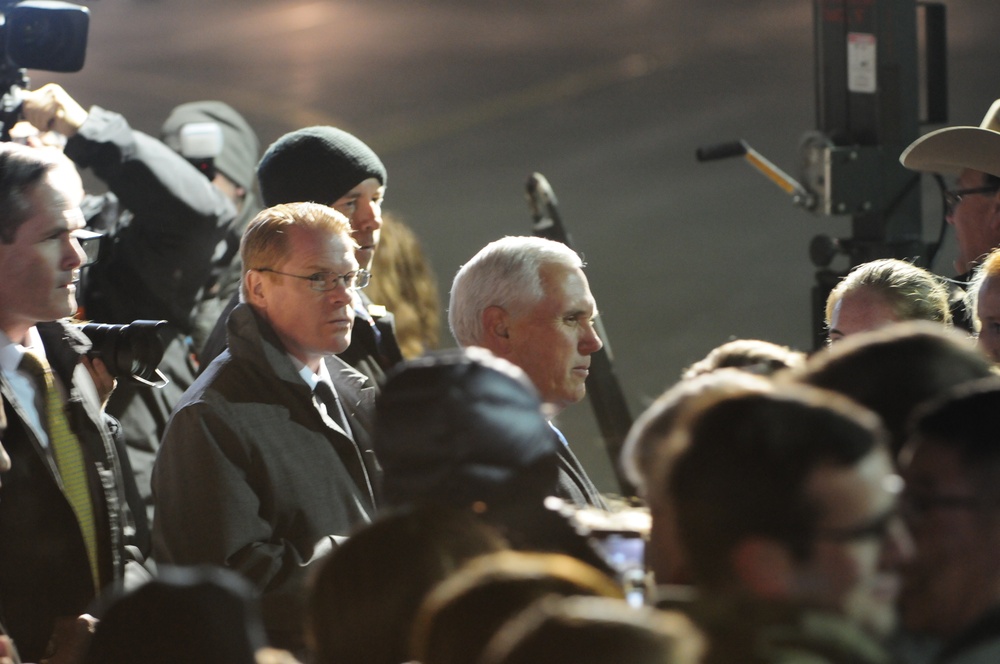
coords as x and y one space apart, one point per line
44 569
251 477
575 486
374 349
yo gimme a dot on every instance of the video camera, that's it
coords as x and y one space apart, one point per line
37 34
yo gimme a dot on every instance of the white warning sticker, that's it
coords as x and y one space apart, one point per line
861 64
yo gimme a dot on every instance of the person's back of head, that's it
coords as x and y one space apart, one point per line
365 596
593 630
459 616
754 356
893 370
640 449
460 427
202 615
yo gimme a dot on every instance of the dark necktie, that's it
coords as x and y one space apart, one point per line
68 455
326 396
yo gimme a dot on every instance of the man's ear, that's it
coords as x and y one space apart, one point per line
496 329
765 567
254 282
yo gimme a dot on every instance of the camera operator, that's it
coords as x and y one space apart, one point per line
168 255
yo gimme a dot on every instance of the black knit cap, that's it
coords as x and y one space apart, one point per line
240 146
460 426
316 164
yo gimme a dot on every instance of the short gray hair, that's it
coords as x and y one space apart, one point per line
505 273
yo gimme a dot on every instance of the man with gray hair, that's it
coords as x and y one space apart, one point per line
527 300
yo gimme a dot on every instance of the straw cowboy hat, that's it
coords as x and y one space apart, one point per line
954 149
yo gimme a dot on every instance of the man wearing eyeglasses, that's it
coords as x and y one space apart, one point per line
328 165
972 155
951 463
785 505
266 462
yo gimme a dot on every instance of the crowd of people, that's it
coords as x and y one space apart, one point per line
302 493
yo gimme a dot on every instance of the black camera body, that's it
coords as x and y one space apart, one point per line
49 35
132 352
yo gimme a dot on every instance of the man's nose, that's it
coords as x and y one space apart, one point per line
340 295
74 255
367 216
591 342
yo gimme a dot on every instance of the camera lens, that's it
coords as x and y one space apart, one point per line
128 351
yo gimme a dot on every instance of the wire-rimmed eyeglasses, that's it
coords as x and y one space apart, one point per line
328 281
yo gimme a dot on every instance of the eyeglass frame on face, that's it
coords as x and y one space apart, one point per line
952 197
324 282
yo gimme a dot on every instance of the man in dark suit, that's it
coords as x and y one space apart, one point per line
63 520
266 463
528 300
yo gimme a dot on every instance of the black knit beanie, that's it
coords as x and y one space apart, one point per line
316 164
240 146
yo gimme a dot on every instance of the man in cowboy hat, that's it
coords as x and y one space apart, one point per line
972 154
